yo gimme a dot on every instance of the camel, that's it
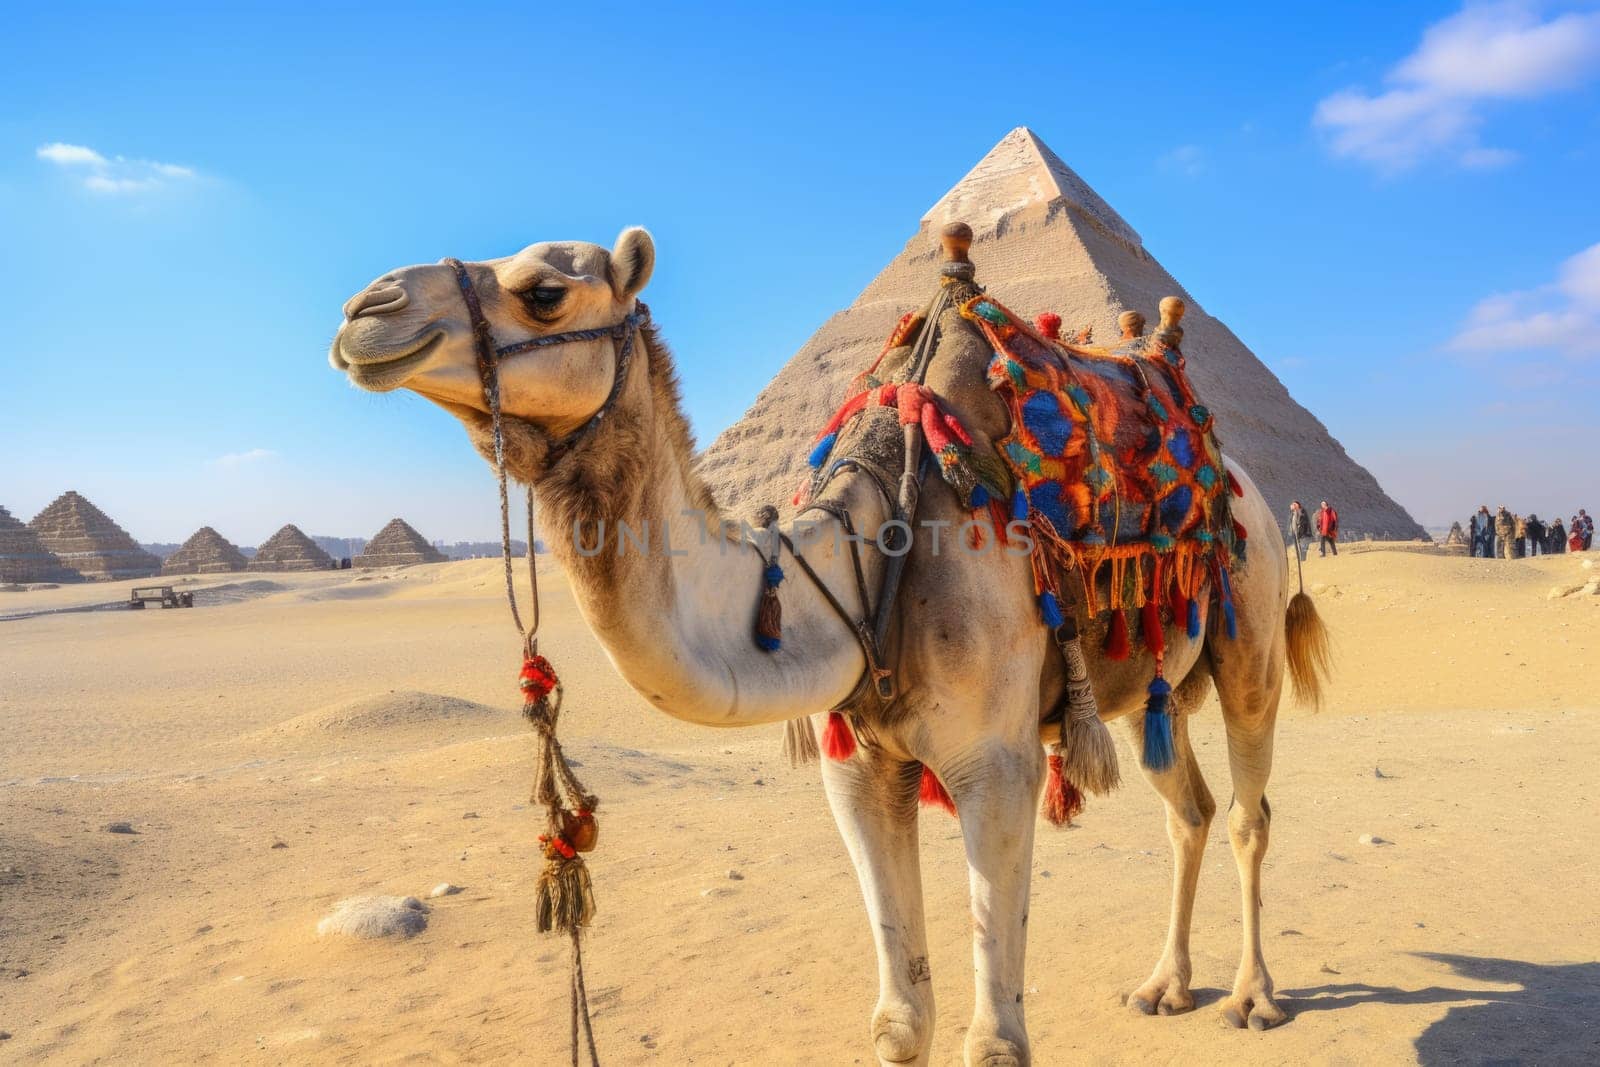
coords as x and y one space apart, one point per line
973 681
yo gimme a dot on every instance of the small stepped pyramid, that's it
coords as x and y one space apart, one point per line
23 558
207 552
397 545
85 540
290 550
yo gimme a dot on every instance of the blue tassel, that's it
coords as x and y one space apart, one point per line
1019 506
774 575
1194 619
768 644
819 454
980 495
1158 751
1049 610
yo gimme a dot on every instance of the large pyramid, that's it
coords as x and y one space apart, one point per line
23 558
290 550
86 540
207 552
398 545
1044 241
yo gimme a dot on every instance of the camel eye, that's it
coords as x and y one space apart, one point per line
543 300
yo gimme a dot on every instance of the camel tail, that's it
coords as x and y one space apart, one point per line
1309 652
800 742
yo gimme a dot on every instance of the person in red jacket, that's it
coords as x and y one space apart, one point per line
1327 530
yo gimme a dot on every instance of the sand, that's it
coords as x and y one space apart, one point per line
324 736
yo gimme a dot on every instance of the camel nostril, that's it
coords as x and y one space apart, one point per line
377 299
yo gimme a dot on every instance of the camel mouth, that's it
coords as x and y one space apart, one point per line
387 372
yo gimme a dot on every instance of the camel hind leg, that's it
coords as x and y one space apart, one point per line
1249 687
1190 808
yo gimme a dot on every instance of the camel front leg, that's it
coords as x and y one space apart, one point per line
995 786
874 801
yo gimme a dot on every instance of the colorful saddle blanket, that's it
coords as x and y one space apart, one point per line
1117 468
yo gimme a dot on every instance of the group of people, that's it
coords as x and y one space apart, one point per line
1325 522
1503 535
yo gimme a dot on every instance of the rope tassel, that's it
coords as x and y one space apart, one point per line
769 615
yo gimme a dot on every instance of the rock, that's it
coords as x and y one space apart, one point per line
280 844
375 916
735 876
120 828
1374 839
443 889
470 815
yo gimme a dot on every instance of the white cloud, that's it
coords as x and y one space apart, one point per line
70 155
115 176
1483 53
1186 159
1563 316
239 459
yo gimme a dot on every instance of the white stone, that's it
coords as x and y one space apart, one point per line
376 916
443 889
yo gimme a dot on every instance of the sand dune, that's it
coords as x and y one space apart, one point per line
281 754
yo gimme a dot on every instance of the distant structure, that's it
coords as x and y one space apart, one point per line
23 558
1045 241
398 545
290 550
85 540
207 552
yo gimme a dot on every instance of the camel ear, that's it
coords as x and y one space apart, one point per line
632 261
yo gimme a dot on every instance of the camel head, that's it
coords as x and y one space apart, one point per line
410 329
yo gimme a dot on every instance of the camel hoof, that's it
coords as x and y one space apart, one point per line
1259 1012
897 1035
1162 996
995 1052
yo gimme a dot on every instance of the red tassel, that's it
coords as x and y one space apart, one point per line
1049 324
1117 636
1239 532
1233 483
932 792
1180 604
1061 798
1150 623
838 740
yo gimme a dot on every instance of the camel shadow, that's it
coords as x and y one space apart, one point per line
1549 1019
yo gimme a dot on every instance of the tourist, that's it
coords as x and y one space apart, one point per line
1300 529
1588 528
1555 539
1327 529
1575 536
1505 526
1535 533
1482 526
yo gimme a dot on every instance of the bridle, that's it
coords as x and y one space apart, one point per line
491 356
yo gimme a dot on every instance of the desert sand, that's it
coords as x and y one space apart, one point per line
302 738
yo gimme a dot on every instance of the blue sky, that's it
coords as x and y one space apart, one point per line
1395 206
